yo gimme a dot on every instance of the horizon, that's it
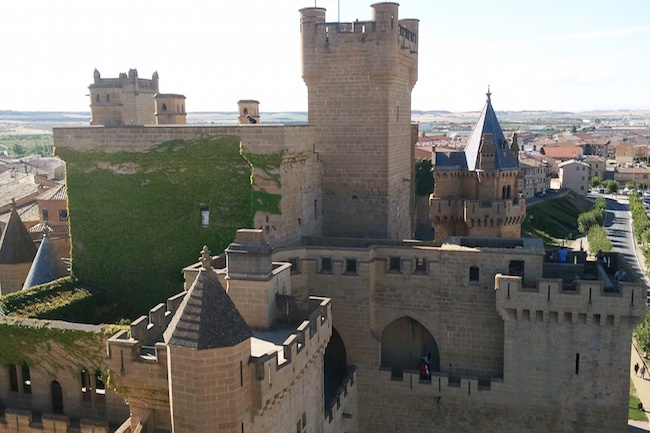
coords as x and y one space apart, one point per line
535 57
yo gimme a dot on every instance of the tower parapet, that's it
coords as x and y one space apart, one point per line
170 109
125 100
249 111
362 127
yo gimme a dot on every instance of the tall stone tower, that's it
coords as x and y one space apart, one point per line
126 100
476 192
359 77
170 109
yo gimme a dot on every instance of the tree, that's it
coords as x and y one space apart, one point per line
595 182
424 182
629 185
18 149
612 186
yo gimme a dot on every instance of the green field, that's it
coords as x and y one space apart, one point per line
22 145
135 218
555 219
634 412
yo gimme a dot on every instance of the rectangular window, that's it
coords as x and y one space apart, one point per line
13 377
351 266
63 215
394 264
326 265
295 269
420 266
473 274
577 363
516 268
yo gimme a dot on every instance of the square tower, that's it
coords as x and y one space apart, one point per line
359 77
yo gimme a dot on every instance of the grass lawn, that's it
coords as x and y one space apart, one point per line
634 412
554 220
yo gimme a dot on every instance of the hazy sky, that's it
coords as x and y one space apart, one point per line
536 55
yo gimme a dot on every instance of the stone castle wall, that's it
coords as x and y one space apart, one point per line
62 364
298 180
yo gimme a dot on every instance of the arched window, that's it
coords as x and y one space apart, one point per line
97 98
57 397
508 193
46 216
503 193
86 386
27 381
108 98
245 111
164 107
100 387
403 343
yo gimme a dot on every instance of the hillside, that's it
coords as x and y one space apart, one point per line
555 219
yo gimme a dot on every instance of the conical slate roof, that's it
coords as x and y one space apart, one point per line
488 123
207 318
16 245
47 265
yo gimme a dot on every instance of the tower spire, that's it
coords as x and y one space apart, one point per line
489 94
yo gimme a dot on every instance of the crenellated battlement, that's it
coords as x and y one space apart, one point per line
143 340
276 371
583 302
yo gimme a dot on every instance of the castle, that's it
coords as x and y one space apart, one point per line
316 319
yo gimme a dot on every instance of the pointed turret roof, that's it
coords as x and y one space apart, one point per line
16 244
488 123
47 265
207 318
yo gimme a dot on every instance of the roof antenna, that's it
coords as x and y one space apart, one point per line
489 94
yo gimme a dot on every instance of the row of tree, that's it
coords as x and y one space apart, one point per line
641 226
591 223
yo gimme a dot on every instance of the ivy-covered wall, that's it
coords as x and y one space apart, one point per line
135 218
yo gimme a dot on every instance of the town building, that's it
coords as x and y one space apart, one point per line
597 166
535 177
574 175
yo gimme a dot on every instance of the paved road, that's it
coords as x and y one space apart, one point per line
618 225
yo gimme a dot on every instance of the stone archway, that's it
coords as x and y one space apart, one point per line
335 365
404 342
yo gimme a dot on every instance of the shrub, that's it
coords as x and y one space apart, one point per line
597 238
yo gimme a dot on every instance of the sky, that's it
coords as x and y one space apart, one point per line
563 55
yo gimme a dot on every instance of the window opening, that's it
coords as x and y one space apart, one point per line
27 382
326 265
350 266
474 274
420 265
63 215
394 264
13 377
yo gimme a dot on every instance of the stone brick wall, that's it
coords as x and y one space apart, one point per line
12 277
359 78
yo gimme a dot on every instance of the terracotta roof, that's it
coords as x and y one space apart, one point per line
16 191
57 193
207 318
562 152
27 213
634 170
571 162
47 265
16 244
